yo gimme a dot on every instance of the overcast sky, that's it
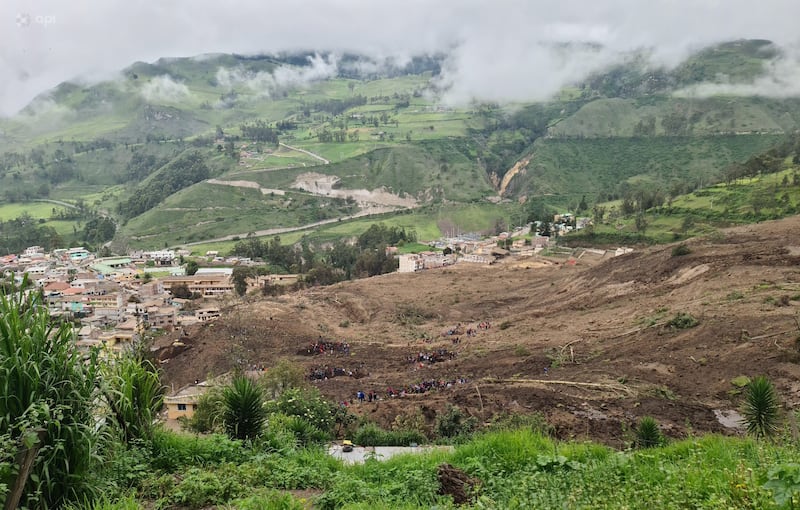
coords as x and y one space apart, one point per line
494 45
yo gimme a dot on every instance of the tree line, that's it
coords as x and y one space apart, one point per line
181 173
324 265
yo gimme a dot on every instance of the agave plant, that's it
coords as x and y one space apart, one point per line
761 408
648 434
48 389
244 408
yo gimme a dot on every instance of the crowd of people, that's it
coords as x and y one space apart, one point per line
436 356
455 333
425 386
470 331
413 389
322 346
328 372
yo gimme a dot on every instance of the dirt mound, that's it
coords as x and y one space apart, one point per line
593 346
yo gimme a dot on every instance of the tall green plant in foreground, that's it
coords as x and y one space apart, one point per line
761 408
244 408
46 386
134 395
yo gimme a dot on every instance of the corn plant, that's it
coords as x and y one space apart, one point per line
46 388
134 395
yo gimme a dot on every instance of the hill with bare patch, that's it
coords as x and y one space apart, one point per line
593 345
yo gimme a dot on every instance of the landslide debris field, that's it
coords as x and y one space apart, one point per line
593 345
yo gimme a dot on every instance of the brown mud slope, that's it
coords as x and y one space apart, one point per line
599 327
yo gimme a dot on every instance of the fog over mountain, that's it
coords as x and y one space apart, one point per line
505 50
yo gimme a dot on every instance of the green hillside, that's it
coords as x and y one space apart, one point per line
269 120
566 169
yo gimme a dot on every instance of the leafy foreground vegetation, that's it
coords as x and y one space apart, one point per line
517 468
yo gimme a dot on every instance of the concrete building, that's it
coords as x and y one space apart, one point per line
207 285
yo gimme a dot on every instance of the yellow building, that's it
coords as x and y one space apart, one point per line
184 403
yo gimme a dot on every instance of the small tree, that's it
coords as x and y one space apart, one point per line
455 423
641 223
191 267
283 376
648 434
244 408
181 291
761 408
209 414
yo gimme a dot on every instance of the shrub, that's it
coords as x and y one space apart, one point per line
682 321
271 499
534 422
244 413
306 433
208 415
370 434
310 405
761 408
172 451
521 351
455 423
648 435
283 376
681 250
784 482
199 488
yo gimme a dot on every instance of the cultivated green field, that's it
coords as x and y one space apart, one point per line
35 209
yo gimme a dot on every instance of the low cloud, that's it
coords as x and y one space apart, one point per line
45 108
266 84
781 79
500 50
525 73
164 88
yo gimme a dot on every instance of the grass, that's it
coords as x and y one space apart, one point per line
429 223
35 209
42 211
518 468
601 164
708 209
207 211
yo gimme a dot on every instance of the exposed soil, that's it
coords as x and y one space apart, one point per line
588 345
327 186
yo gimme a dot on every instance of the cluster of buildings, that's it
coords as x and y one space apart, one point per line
472 249
475 249
115 300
